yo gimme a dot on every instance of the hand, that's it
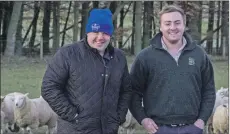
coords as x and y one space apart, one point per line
149 125
199 123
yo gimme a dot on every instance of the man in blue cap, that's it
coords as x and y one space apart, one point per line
87 83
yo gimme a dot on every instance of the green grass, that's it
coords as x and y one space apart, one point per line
221 73
25 75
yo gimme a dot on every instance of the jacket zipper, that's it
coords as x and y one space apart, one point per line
177 62
105 81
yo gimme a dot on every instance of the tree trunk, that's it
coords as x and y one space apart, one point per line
138 30
8 8
193 9
199 21
225 28
218 32
151 19
116 9
18 47
76 16
85 8
1 20
46 27
34 25
169 2
113 7
120 42
133 28
161 5
210 27
66 22
147 23
56 26
95 4
10 47
104 4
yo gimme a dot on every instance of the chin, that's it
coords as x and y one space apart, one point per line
174 41
100 49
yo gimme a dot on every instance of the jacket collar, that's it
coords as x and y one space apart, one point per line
156 41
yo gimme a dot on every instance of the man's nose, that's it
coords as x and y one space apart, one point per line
100 35
173 26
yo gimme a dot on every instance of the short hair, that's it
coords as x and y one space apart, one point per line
172 8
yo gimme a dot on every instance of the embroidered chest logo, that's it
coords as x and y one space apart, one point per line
191 61
95 27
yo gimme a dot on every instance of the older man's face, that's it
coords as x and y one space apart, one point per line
98 40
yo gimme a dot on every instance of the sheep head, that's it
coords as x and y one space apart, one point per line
20 100
223 92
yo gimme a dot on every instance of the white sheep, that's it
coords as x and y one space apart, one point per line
220 120
3 127
34 113
221 97
130 124
7 108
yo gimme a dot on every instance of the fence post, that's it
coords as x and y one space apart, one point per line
224 48
41 49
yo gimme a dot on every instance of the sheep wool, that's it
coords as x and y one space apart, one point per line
130 124
220 119
34 113
7 107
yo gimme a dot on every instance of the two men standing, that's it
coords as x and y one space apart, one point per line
88 85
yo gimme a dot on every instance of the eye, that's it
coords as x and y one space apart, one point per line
167 24
177 23
105 33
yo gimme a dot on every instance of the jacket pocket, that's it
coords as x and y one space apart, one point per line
79 116
64 127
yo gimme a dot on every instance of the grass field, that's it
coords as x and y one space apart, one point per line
25 75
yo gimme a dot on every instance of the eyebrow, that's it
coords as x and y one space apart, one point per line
173 21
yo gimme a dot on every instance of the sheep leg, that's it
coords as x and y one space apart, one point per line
23 130
3 129
51 130
28 129
209 129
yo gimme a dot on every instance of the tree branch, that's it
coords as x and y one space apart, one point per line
205 38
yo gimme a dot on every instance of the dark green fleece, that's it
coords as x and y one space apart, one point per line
172 92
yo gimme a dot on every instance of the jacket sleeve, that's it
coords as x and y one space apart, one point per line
208 90
125 95
138 76
53 86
